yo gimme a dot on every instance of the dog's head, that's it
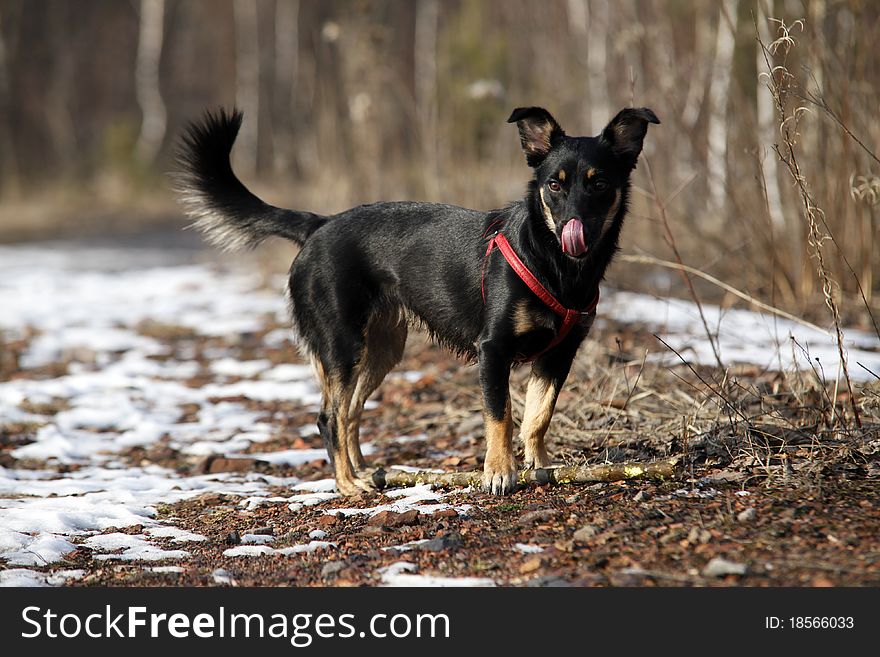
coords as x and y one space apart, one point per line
581 183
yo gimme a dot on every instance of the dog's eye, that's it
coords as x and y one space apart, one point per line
554 186
600 185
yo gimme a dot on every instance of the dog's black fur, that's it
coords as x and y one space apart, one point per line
364 275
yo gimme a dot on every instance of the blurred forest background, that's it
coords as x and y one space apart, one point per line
352 101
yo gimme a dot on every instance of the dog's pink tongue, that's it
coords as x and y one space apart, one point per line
573 242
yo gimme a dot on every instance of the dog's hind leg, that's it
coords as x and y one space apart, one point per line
338 388
384 341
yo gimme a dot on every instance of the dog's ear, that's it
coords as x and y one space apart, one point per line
626 132
538 132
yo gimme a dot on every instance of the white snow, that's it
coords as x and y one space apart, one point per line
262 550
527 548
24 577
242 368
742 336
176 534
400 573
21 549
406 499
257 539
406 547
130 547
318 486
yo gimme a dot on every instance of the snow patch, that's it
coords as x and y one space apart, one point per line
401 574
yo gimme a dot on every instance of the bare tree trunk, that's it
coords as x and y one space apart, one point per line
247 82
578 25
425 64
597 73
719 93
9 179
286 68
146 75
702 63
59 84
767 131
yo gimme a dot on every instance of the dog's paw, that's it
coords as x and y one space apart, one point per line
501 478
537 459
355 486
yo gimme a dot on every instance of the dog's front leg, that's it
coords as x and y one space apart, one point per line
499 469
547 378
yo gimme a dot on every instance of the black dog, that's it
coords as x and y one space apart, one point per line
512 285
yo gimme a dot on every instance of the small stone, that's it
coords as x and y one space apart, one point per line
210 499
408 518
697 535
332 568
641 496
223 577
262 531
374 530
719 567
383 519
232 538
572 499
393 519
747 516
585 533
440 543
328 520
530 565
540 515
548 581
222 464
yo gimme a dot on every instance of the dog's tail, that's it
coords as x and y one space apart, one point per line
221 207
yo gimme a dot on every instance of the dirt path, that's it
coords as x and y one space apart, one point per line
171 442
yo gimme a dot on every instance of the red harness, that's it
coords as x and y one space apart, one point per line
569 316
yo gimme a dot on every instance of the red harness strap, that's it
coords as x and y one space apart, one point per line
569 316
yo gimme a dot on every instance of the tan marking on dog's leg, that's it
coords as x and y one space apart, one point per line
320 376
541 397
355 410
384 341
548 216
347 481
499 468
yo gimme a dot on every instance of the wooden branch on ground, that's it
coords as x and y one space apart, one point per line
664 470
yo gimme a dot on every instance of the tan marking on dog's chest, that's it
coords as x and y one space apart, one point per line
612 211
526 318
548 216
